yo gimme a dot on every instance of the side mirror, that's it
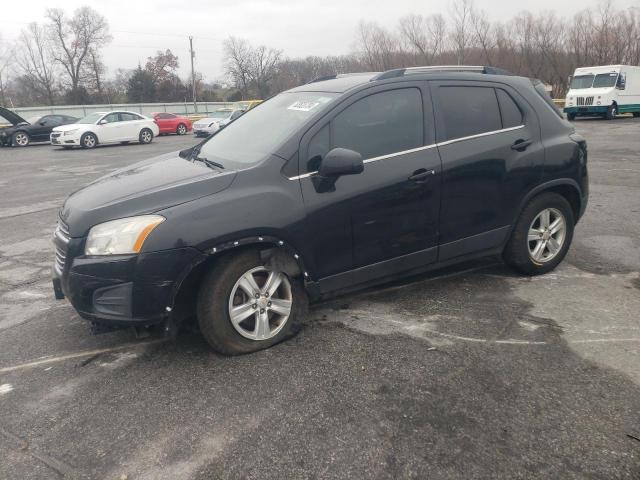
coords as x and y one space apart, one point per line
622 82
42 124
186 153
341 161
102 122
337 162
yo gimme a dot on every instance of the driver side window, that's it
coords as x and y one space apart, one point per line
112 118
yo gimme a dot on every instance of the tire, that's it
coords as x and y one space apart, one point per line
181 129
67 147
612 111
571 117
522 252
88 140
221 289
636 114
146 136
20 139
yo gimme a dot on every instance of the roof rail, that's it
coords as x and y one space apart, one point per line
323 78
400 72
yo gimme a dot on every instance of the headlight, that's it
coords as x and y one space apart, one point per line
122 236
71 132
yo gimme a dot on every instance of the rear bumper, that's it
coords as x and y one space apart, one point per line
124 289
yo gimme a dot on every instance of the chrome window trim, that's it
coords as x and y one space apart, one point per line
418 149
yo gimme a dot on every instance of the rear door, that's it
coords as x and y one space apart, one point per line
131 126
489 142
389 211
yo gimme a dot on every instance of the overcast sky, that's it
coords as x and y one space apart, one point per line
298 27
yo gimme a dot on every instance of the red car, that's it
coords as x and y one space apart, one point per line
170 123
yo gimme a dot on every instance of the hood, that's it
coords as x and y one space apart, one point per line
145 187
69 126
11 117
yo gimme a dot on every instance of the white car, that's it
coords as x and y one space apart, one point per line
214 122
105 127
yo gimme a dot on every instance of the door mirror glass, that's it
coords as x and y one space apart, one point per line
340 161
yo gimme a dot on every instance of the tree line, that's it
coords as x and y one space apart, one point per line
60 61
540 45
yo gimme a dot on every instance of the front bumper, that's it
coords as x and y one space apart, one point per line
592 109
204 131
61 139
120 289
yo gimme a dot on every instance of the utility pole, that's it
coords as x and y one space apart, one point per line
193 75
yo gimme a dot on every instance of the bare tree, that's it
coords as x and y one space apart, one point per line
36 63
6 60
237 58
461 12
424 36
263 67
377 46
483 34
75 38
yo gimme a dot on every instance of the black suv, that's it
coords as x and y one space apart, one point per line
346 181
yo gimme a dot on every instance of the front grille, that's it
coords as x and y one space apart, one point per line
61 238
584 101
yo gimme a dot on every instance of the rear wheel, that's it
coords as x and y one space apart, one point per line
542 235
21 139
245 306
146 135
88 140
636 114
182 129
612 111
571 117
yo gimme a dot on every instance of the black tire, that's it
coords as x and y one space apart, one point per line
20 139
571 117
88 140
636 114
517 252
612 111
146 136
181 129
213 301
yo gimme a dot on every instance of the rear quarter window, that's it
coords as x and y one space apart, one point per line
509 110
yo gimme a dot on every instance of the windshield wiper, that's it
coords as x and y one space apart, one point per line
208 163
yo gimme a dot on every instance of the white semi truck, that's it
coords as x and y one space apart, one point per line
606 91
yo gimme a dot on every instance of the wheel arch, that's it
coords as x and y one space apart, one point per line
566 187
273 250
92 133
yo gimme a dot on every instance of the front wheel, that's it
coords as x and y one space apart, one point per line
88 140
182 129
21 139
146 135
245 306
636 114
612 111
542 235
571 117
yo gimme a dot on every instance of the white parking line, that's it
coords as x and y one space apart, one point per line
86 353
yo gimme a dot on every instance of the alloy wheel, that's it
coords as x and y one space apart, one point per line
182 129
260 303
546 235
22 139
146 136
89 141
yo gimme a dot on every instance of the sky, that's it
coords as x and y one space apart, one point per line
298 27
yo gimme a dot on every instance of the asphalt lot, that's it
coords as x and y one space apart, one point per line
471 372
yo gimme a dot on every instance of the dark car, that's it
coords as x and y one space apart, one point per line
331 186
21 132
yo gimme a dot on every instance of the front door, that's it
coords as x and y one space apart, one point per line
385 218
492 154
110 131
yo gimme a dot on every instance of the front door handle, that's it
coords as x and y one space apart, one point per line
521 145
421 176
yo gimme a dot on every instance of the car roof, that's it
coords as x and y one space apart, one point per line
336 83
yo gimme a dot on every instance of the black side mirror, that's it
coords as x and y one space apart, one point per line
337 162
186 153
43 123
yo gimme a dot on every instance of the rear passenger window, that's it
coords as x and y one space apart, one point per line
511 114
381 123
469 111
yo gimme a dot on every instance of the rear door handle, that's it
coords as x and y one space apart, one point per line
422 175
521 145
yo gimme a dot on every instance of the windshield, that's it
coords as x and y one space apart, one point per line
91 118
221 114
581 81
262 129
604 80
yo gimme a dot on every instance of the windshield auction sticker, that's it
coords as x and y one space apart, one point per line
303 106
